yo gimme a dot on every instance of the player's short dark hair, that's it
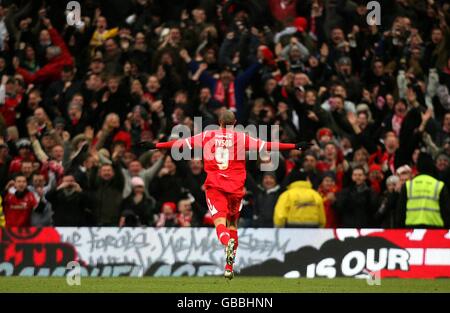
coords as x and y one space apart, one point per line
227 118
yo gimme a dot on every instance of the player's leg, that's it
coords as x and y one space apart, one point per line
223 234
234 208
233 243
229 254
231 247
233 231
218 207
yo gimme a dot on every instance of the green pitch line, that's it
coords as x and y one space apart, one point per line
219 284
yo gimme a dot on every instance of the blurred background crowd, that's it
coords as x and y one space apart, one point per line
77 101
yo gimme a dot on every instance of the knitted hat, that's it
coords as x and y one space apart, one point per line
23 143
268 54
137 182
301 24
324 132
393 179
374 168
362 107
171 205
442 156
404 169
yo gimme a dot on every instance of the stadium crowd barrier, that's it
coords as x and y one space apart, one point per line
291 253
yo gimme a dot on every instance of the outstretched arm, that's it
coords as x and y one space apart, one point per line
190 142
253 144
274 146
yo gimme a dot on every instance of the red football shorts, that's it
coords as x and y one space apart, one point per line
222 204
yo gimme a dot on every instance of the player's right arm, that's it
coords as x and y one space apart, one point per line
189 143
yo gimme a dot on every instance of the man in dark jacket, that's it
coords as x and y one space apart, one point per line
107 183
167 186
115 100
356 205
265 196
61 92
265 199
193 179
69 203
138 208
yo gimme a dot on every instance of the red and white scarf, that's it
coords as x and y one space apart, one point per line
397 121
219 94
184 220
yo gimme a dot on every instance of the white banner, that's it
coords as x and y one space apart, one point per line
111 252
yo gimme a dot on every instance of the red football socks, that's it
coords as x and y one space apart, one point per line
228 267
223 234
234 235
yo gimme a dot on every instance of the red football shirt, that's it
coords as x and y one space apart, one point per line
18 210
224 156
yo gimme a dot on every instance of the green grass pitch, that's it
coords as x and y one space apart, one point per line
219 284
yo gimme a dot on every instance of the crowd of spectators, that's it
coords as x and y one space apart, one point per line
77 101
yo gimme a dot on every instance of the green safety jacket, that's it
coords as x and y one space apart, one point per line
422 206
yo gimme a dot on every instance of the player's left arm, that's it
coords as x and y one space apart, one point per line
253 144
